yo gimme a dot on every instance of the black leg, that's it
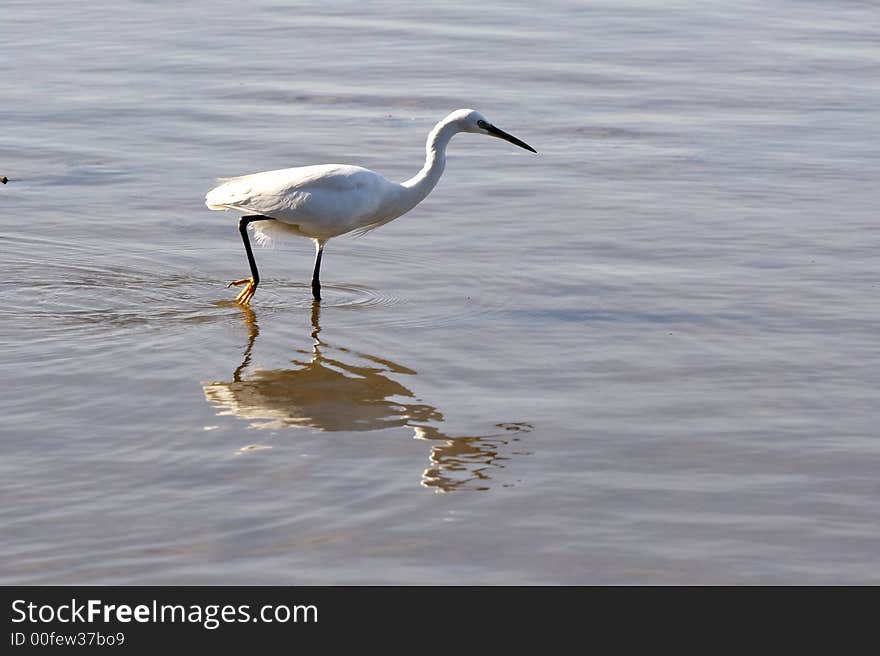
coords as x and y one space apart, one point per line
243 223
250 284
316 274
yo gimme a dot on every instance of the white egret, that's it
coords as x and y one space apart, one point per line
328 200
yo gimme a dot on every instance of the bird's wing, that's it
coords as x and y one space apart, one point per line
330 198
259 192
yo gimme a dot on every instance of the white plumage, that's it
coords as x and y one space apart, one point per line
328 200
319 202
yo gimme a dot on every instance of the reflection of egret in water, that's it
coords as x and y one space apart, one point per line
336 389
323 391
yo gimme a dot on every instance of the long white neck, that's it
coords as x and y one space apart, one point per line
421 184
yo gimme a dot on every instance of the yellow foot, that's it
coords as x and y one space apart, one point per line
244 297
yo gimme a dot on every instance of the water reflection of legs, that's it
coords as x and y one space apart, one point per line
250 320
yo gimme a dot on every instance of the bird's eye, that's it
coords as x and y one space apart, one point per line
483 124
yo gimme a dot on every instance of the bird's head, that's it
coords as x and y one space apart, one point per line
470 120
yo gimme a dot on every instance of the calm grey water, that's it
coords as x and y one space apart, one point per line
647 355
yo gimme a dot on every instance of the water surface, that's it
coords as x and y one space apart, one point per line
647 355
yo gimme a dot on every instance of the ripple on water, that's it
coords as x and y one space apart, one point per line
72 299
388 306
81 296
286 294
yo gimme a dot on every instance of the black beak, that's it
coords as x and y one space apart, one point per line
501 134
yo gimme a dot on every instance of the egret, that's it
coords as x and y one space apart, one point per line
328 200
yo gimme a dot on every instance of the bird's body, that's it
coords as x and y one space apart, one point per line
328 200
318 202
